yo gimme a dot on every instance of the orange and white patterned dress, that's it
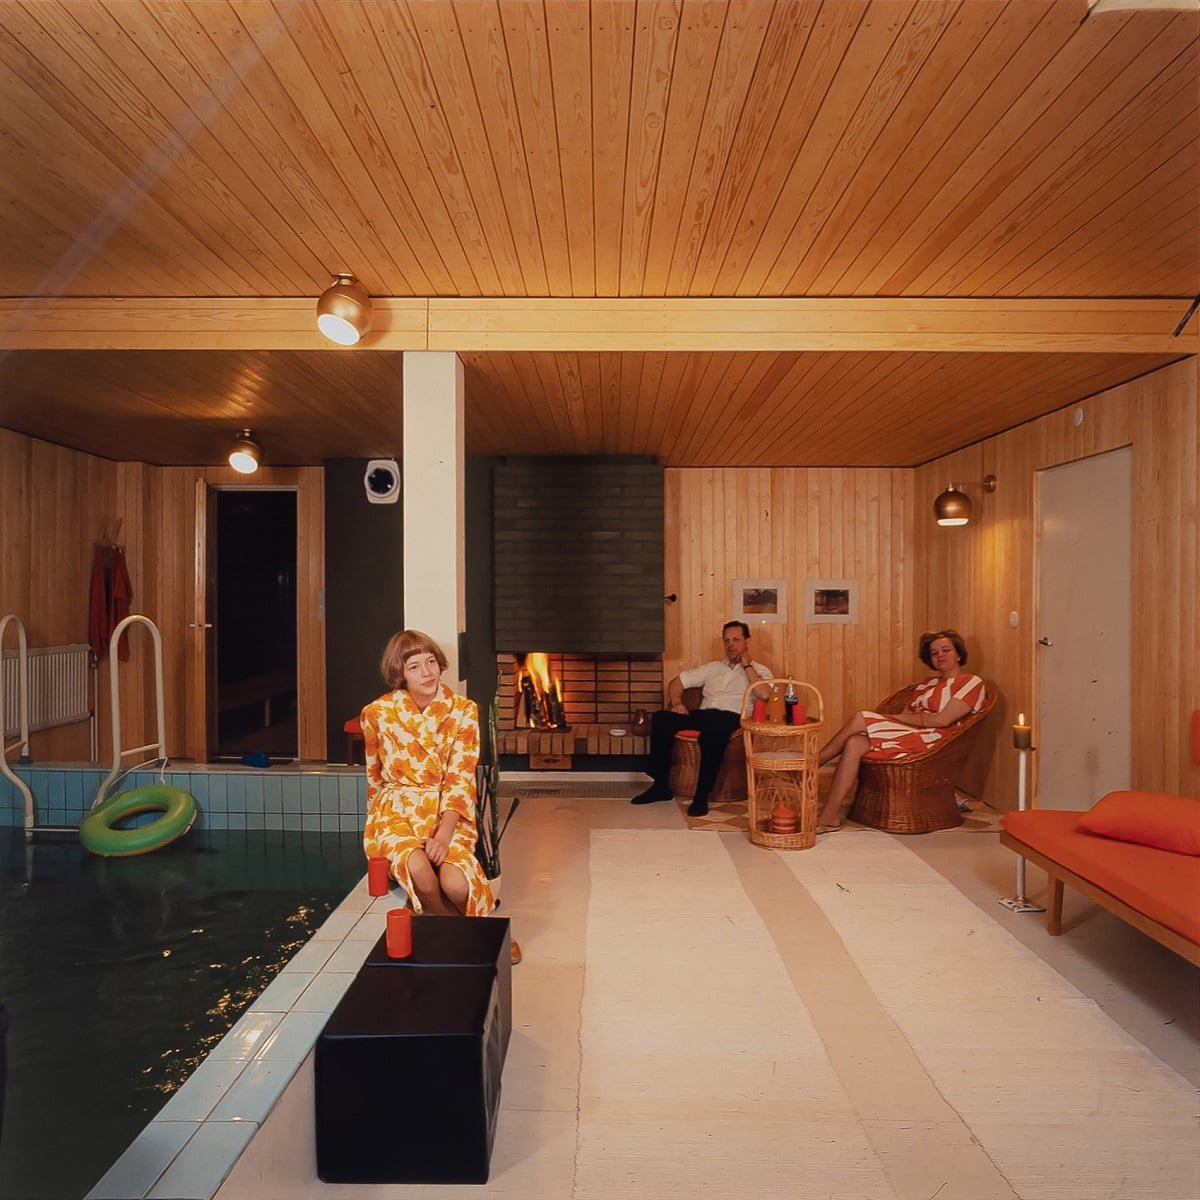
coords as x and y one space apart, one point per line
890 740
420 765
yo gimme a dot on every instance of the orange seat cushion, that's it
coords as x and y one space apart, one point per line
688 735
354 725
1148 818
1159 883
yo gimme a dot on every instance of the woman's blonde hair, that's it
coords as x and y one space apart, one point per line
400 648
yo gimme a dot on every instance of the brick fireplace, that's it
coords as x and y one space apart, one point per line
578 576
599 694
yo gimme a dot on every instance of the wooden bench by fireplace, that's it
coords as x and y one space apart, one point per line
258 689
550 749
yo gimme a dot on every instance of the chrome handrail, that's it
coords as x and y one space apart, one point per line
23 718
115 698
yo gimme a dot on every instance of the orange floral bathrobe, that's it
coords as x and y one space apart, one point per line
419 765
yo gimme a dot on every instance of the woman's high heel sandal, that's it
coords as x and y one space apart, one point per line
514 950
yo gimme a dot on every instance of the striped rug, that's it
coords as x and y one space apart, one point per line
842 1022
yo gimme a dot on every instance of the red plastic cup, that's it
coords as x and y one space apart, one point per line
398 938
377 876
760 710
799 714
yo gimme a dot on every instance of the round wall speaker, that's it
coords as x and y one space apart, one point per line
382 481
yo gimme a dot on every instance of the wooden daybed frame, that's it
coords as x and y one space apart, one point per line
1059 874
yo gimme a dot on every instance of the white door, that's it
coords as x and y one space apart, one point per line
1084 531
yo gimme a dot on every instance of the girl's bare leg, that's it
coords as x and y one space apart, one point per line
454 887
428 889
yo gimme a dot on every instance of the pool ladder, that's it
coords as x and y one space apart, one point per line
115 700
23 717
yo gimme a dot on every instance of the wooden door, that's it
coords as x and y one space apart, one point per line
1084 666
202 709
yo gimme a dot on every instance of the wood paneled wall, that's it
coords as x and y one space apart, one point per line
972 577
56 502
796 524
873 525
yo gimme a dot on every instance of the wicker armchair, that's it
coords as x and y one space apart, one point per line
916 795
730 783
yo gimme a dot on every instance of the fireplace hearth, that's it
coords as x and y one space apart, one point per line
555 708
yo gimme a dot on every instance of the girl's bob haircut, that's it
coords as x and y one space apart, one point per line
400 648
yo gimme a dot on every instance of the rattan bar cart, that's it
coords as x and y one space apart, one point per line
781 768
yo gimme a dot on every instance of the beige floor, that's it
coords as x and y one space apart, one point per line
697 1017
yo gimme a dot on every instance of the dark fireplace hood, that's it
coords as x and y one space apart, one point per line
578 546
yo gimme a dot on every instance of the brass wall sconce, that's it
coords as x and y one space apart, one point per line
953 506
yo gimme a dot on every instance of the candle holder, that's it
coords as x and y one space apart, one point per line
1019 903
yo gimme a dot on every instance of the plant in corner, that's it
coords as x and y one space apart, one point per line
487 786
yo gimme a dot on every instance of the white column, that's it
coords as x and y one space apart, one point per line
434 501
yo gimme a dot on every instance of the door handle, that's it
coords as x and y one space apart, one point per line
1045 642
200 625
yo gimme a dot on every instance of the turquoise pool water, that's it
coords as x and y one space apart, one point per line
120 974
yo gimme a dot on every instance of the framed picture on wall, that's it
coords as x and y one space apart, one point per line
762 601
831 601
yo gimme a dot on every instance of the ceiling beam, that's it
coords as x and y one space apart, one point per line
805 324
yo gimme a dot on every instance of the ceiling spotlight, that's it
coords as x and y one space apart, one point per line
246 453
953 506
344 311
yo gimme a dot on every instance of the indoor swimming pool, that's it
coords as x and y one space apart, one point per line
119 975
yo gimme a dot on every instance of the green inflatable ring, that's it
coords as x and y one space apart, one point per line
178 810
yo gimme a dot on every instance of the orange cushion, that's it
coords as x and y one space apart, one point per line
689 735
1147 818
1158 883
354 725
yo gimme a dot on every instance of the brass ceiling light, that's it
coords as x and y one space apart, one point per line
246 453
953 506
344 311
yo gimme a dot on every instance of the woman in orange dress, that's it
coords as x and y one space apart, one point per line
422 745
941 700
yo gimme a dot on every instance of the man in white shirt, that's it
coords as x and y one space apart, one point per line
723 683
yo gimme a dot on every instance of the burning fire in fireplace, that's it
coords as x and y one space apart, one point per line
539 697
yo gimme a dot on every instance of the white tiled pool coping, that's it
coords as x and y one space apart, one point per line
186 1152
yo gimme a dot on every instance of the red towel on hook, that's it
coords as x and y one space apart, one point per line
108 600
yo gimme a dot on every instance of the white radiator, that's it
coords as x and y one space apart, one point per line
58 688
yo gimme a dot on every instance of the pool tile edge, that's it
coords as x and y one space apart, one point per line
180 1159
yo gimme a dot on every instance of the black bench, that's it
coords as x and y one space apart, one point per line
459 942
424 1024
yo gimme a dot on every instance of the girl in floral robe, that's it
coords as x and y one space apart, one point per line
422 745
942 700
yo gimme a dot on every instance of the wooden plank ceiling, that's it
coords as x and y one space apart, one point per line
241 149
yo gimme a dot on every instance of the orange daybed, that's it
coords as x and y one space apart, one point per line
1155 887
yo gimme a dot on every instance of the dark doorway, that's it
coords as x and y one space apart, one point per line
256 624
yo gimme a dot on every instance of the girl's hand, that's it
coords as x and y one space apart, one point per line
436 850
